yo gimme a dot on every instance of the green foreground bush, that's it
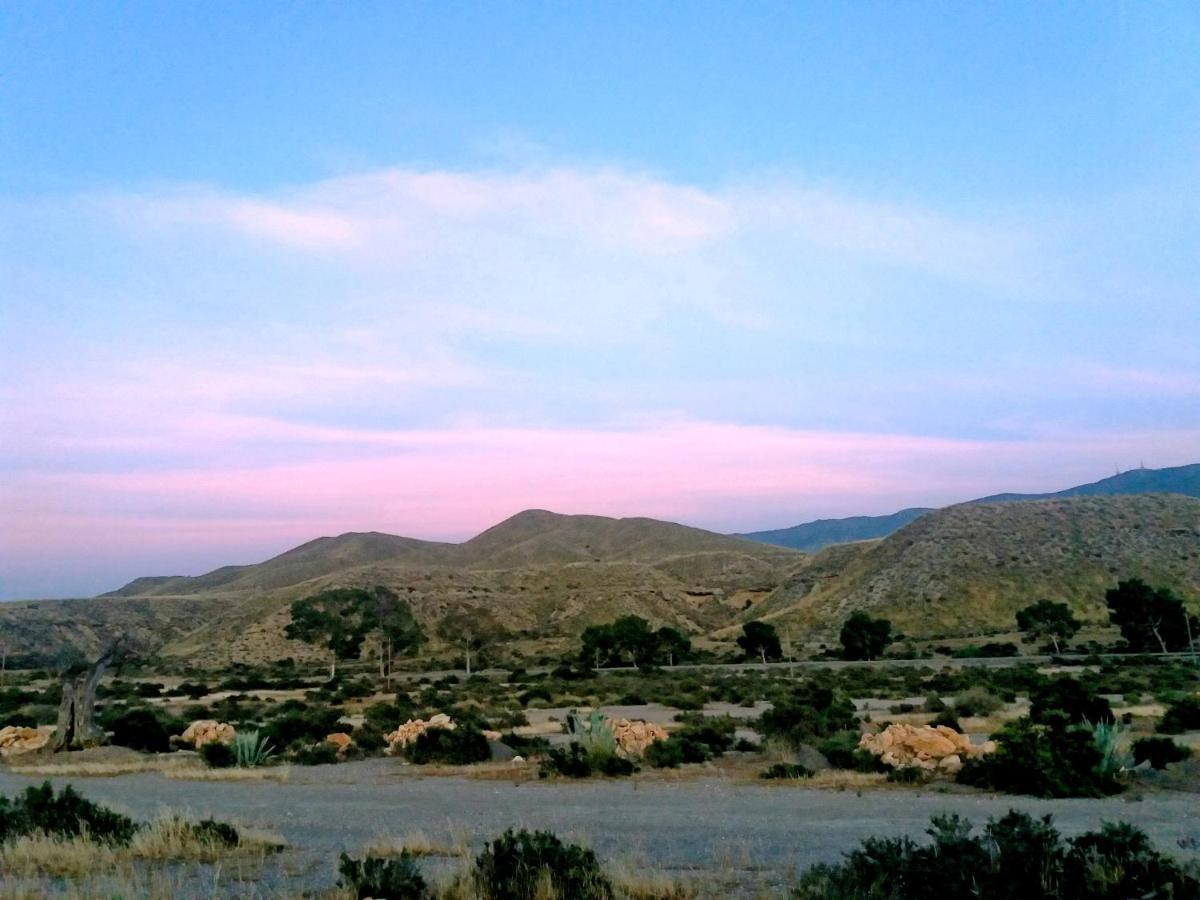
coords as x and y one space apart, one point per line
519 864
456 747
1016 857
66 814
383 879
1160 752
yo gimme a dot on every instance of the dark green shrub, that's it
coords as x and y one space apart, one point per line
570 761
843 752
383 879
1160 752
368 738
513 866
40 810
140 729
320 753
976 702
947 719
786 771
666 754
934 704
215 832
1055 759
1182 715
809 712
458 747
217 755
614 766
1078 701
295 722
909 775
525 745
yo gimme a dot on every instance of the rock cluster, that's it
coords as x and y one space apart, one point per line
340 740
15 740
635 735
937 748
207 731
414 728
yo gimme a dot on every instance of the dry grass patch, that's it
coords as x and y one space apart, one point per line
416 843
234 773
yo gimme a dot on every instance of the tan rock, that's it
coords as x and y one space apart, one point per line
492 735
207 731
340 740
414 728
934 748
15 740
634 736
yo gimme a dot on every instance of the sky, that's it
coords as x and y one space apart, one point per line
272 271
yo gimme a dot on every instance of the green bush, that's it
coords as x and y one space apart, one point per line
218 755
1182 715
909 775
1078 701
215 832
809 712
296 722
383 879
790 771
843 752
458 747
319 753
140 729
1053 759
976 702
517 865
571 762
1160 752
67 814
1016 857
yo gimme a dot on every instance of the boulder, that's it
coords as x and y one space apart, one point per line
414 728
340 740
635 735
15 740
937 748
207 731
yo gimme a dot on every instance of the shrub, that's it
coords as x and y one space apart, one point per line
251 749
1015 858
787 771
217 755
320 753
666 754
1160 752
909 775
1056 759
1182 715
383 879
298 723
66 814
946 719
140 729
214 832
517 866
809 712
1069 696
458 747
843 752
570 762
976 702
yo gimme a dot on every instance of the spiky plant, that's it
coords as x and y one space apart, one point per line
1109 739
594 734
251 749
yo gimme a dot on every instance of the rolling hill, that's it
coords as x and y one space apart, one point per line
813 536
967 569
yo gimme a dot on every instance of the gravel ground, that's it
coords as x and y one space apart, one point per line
756 833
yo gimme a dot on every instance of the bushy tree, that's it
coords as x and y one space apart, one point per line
395 627
761 640
1151 619
865 637
1048 620
629 640
336 619
471 631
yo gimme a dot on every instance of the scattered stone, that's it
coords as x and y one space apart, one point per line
207 731
927 747
15 740
414 728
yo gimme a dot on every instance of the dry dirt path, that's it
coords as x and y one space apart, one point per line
759 833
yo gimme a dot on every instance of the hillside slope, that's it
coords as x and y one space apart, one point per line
813 536
967 569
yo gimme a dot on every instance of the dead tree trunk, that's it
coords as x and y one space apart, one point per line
77 726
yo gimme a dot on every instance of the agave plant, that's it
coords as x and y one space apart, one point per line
250 749
593 733
1109 738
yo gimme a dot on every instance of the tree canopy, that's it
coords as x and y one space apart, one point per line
1046 619
865 637
470 630
760 639
630 640
1151 619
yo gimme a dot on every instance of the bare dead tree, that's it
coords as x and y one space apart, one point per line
77 726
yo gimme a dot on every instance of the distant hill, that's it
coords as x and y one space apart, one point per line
813 536
967 569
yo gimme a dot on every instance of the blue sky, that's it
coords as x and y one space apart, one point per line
278 270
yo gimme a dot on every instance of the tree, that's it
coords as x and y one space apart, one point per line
672 643
395 626
1046 619
759 639
470 630
1150 618
76 727
337 619
865 637
629 639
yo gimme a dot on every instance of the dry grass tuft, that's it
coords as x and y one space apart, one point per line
234 773
415 843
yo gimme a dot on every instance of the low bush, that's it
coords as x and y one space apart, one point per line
296 722
521 866
458 747
843 752
1078 701
383 879
575 761
808 712
140 729
320 753
909 775
66 814
217 755
1053 759
1160 752
786 771
976 702
1182 715
1016 857
213 832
